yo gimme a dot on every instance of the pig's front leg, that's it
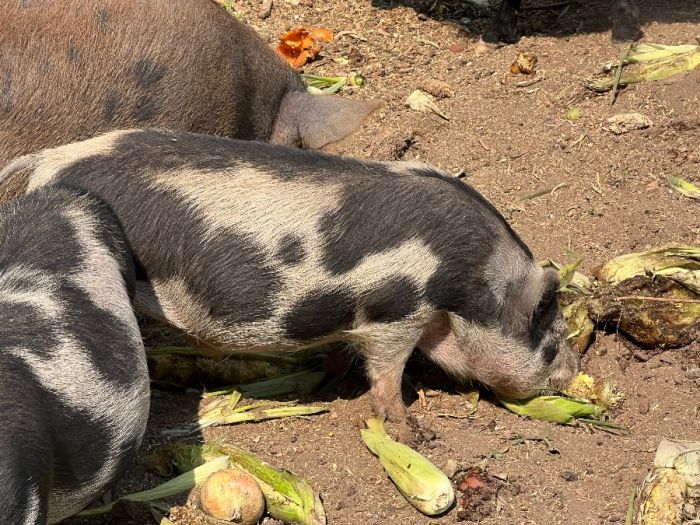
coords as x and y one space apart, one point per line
386 348
625 19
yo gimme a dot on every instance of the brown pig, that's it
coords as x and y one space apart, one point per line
70 69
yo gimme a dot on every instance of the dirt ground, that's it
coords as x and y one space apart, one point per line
602 195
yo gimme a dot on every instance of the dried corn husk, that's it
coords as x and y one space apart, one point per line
674 482
646 62
678 262
227 411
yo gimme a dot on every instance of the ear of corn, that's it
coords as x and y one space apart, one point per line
288 497
555 409
177 485
601 393
421 482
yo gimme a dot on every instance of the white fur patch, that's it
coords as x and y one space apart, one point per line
48 163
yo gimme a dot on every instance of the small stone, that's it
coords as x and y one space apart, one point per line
439 89
569 476
422 17
456 48
693 372
614 518
451 467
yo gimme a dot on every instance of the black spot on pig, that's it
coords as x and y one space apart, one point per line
393 300
457 226
16 325
148 73
102 17
290 250
321 312
73 54
6 92
549 353
146 108
254 284
112 104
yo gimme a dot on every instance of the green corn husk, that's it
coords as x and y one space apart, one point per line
684 187
555 409
181 483
680 263
421 482
288 497
648 62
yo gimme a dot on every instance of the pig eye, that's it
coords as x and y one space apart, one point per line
549 353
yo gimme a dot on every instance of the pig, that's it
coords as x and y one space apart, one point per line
256 247
74 68
503 29
74 394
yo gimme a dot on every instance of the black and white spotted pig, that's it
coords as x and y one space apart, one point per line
258 247
504 27
74 68
74 391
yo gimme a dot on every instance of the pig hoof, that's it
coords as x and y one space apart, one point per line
483 47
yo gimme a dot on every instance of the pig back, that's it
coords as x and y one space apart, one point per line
73 68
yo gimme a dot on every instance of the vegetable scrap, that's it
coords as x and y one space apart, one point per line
301 45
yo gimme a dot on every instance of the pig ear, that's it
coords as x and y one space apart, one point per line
547 304
320 119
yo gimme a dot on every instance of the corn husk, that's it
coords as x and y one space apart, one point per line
580 325
570 279
288 497
556 409
649 62
421 482
673 482
680 263
182 483
227 411
684 187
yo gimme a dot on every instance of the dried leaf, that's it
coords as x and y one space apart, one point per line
421 101
525 63
624 122
301 44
